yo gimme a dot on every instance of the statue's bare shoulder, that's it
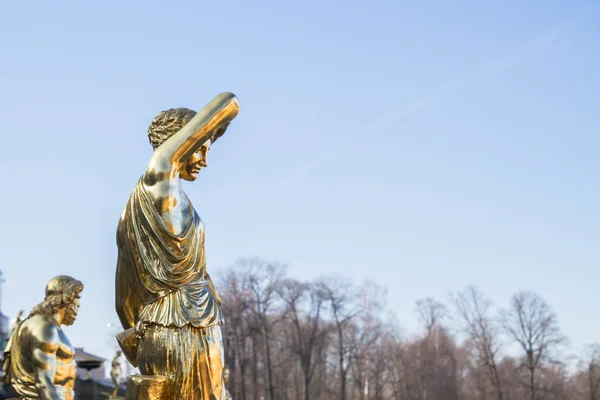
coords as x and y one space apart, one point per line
41 333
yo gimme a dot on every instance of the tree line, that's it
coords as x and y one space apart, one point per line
331 338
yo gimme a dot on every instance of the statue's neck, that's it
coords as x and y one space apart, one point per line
59 316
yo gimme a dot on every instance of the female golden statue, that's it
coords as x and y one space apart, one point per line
165 298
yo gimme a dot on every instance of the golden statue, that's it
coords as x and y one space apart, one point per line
18 321
165 298
226 380
39 361
115 373
19 318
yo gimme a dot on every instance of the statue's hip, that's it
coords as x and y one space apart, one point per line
188 357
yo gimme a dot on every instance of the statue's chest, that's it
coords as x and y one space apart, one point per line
65 352
186 211
66 366
179 218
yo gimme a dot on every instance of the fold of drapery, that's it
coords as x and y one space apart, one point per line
161 277
191 357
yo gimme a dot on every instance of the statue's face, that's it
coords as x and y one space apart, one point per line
71 311
189 171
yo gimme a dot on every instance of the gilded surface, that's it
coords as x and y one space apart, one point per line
178 295
165 298
149 387
226 380
39 361
115 373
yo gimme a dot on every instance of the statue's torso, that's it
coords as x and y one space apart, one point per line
32 331
115 371
66 367
165 246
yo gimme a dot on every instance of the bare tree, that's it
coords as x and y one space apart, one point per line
474 309
340 296
261 279
591 363
398 369
236 305
531 323
292 340
365 336
308 329
431 312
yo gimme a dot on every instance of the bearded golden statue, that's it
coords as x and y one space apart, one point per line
39 361
165 298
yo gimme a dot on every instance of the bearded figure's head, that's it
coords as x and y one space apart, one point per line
62 293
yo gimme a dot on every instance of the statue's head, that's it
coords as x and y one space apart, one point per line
62 294
169 122
119 353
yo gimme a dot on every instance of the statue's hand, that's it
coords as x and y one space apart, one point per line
220 132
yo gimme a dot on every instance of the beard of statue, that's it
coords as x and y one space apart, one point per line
52 304
70 314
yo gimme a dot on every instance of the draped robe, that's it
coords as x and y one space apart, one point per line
164 291
161 277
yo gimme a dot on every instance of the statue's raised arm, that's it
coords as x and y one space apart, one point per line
208 124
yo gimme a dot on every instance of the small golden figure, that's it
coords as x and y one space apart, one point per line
18 320
165 298
115 373
39 361
226 380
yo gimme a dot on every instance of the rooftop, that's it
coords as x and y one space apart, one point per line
82 356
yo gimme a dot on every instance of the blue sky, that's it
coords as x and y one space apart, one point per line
423 145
